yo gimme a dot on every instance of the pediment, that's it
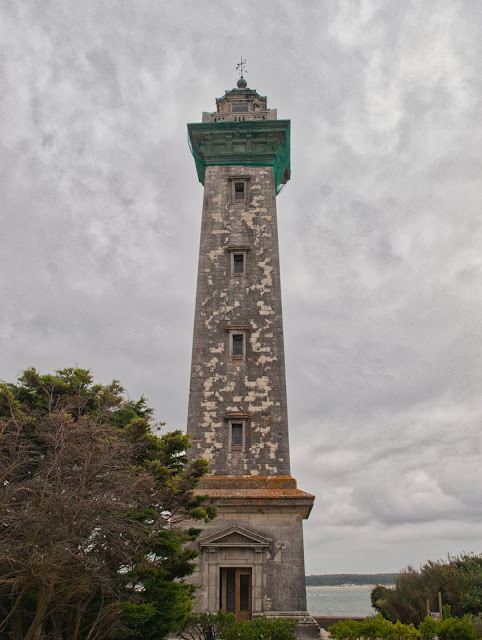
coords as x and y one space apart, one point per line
235 537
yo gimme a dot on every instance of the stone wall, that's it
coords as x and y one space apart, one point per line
250 389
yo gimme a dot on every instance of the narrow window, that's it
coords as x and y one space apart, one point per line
237 344
239 191
238 260
236 434
238 263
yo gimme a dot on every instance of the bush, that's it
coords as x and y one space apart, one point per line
428 628
206 626
372 629
477 622
265 628
456 629
448 629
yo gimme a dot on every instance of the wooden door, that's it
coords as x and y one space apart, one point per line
236 592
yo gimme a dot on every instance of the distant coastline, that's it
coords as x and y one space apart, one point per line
350 579
339 586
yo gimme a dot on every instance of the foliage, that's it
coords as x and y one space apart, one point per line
459 580
477 623
448 629
93 504
428 628
380 629
376 594
205 626
265 628
372 629
221 626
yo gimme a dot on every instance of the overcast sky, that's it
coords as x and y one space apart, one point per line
380 234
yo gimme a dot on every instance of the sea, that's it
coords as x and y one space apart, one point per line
349 600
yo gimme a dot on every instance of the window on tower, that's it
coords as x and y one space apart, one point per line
237 432
236 435
238 260
238 345
239 191
237 334
238 263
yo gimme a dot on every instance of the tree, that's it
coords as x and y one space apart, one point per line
459 580
93 507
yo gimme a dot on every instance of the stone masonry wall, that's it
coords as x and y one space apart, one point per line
252 387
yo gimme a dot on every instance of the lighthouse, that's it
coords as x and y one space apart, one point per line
251 558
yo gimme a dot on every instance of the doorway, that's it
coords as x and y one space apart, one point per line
235 592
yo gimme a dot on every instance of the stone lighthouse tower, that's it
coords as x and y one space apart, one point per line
251 556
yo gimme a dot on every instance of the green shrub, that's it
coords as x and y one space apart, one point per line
456 629
345 630
372 629
265 628
477 622
448 629
428 628
206 626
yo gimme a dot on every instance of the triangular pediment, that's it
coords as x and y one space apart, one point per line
235 537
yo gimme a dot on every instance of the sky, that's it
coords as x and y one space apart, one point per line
380 235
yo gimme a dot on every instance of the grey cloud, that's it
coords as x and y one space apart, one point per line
380 235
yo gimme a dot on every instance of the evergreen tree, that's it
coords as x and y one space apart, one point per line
94 508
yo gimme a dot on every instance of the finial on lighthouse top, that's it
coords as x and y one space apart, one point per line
241 67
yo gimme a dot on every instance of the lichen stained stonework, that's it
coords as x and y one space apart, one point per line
254 385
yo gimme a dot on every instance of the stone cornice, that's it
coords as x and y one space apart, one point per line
258 143
251 492
250 501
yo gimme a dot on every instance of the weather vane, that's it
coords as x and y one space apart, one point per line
241 67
